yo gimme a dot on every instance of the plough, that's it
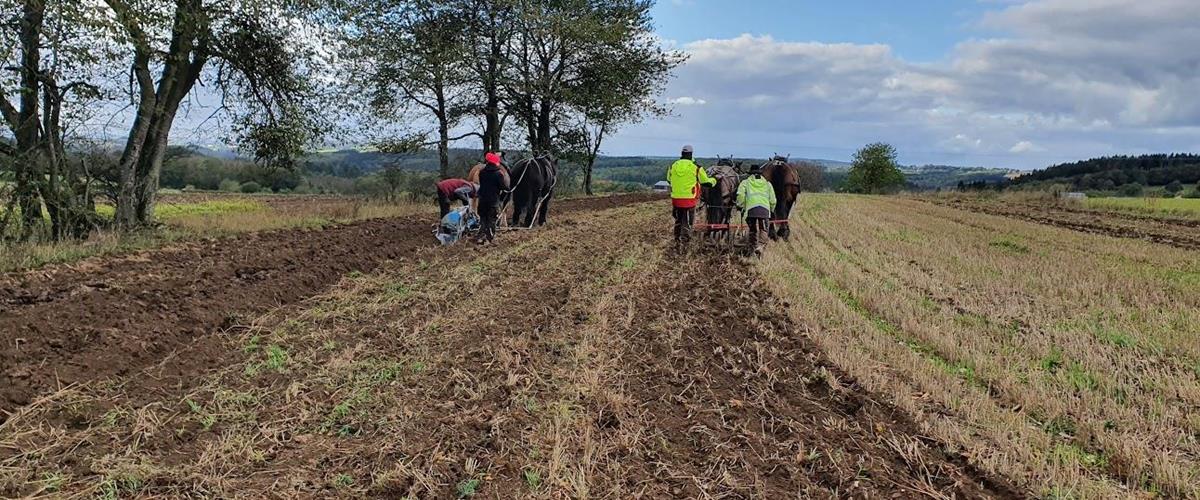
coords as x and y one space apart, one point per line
719 227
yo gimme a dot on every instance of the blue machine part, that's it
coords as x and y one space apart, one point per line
455 224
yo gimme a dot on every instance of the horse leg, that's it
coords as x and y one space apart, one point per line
785 230
518 203
530 211
544 210
726 219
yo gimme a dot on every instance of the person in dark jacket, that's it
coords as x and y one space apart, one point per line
493 181
454 189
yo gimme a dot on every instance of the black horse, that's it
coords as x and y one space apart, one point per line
786 180
533 181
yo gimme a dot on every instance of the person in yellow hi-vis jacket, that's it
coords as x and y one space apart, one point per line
686 177
756 199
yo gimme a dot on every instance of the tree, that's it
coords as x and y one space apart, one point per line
874 170
413 54
393 177
812 176
1174 187
558 46
489 31
50 53
257 59
1132 189
617 87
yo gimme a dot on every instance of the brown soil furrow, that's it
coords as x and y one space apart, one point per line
120 315
742 392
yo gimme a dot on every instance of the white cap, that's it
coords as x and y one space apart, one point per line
687 148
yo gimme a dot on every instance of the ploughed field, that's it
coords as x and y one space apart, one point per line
582 359
893 349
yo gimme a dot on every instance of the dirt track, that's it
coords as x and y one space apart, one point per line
609 370
1180 233
117 316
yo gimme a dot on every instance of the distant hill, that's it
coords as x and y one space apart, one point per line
944 176
1113 171
632 169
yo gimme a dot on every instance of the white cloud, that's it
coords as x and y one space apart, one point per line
1024 147
688 101
1086 77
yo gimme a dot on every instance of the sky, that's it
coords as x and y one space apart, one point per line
1004 83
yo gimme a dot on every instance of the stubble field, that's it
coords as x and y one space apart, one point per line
1067 361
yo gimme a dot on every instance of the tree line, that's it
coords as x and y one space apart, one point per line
1119 173
283 77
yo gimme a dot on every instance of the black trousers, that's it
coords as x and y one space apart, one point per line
684 218
489 215
444 204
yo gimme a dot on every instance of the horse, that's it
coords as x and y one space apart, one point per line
533 181
786 180
720 199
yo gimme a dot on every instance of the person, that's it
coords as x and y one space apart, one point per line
686 177
451 189
756 199
493 181
473 174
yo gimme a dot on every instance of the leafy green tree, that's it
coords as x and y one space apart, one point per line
261 59
1174 187
616 88
251 187
413 54
558 54
874 170
489 31
393 177
47 88
1132 189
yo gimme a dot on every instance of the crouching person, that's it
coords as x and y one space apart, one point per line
454 189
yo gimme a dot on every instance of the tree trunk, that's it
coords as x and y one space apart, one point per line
141 162
587 177
443 134
150 166
491 130
591 161
56 205
443 149
27 163
543 144
126 215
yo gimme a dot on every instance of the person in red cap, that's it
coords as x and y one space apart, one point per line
493 180
473 175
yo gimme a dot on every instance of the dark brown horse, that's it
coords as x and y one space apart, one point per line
786 180
533 181
720 199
